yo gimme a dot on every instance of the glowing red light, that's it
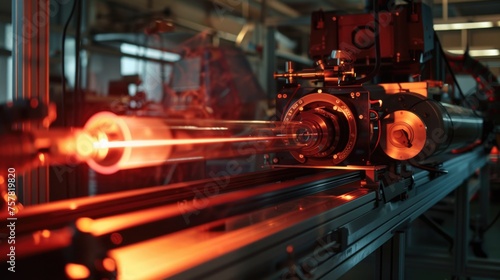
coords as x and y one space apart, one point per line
116 238
34 103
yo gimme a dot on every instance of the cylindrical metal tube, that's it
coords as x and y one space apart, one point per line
465 124
449 127
426 128
113 143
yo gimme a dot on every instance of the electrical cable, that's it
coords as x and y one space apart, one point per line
63 52
291 98
455 81
379 130
376 32
492 222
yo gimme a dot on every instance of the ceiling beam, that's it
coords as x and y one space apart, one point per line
493 18
280 7
458 1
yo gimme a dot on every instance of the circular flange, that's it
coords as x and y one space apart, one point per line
405 135
341 131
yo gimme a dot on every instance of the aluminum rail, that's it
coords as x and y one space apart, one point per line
59 238
317 226
57 214
317 249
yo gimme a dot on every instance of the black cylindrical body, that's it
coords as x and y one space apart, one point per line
448 127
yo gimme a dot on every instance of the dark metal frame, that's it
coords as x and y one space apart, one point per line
460 264
341 224
370 225
30 22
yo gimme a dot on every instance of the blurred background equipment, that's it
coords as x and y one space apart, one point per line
249 139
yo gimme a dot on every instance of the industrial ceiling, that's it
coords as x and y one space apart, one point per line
231 18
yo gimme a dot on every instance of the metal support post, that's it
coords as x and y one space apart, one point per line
30 20
269 59
484 196
391 257
461 245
